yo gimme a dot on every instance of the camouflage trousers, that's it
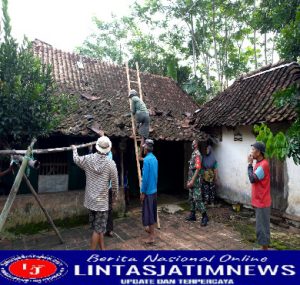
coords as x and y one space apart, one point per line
195 199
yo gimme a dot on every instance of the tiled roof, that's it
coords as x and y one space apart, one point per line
249 99
102 89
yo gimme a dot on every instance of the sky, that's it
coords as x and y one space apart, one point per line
62 23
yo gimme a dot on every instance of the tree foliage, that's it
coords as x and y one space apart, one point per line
216 40
28 107
287 144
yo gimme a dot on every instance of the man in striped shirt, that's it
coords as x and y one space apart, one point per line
99 171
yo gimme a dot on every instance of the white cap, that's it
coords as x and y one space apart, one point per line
103 145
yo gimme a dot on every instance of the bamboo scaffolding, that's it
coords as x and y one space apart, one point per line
14 189
44 151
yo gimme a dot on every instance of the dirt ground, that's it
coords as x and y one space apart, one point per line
227 229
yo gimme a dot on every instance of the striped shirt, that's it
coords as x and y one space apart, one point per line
99 170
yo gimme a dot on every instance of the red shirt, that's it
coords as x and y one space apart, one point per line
261 190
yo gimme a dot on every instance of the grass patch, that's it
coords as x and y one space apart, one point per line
34 228
280 239
247 231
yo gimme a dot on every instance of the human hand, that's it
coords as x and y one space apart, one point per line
250 159
100 133
190 184
142 197
73 147
115 197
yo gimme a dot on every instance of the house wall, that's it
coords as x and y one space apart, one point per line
293 187
232 165
234 183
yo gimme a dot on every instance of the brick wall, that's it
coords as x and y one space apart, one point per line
59 205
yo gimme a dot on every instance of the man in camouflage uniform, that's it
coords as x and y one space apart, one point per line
194 186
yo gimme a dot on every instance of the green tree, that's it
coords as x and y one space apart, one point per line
27 106
209 35
288 43
283 144
217 40
121 40
281 18
109 42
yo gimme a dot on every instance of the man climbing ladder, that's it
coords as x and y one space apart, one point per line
144 127
139 109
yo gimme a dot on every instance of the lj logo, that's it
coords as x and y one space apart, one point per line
32 268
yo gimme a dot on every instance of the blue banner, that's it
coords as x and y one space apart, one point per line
150 267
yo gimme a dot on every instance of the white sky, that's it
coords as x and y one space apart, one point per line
62 23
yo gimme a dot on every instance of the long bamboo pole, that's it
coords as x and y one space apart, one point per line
43 151
134 132
14 189
42 207
141 97
139 80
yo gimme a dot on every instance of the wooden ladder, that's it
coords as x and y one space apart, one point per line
133 125
133 122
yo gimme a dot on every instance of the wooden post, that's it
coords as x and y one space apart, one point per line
42 207
134 132
15 187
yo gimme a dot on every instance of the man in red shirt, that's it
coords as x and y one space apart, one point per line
259 177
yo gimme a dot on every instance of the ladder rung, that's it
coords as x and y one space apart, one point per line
134 82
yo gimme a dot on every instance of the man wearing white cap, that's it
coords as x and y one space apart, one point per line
99 170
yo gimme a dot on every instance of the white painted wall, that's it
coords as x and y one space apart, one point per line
232 161
234 183
293 187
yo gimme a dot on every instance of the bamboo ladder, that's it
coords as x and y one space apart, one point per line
133 125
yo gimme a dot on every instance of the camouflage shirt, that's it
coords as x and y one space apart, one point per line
194 163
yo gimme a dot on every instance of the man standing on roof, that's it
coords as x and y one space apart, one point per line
139 109
99 171
259 177
194 186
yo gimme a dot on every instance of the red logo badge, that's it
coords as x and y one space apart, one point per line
32 268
